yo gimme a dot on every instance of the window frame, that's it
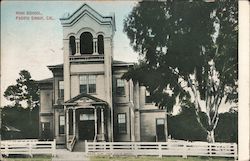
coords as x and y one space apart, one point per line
60 91
118 124
88 84
118 92
61 132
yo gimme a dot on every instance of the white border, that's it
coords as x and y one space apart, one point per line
244 81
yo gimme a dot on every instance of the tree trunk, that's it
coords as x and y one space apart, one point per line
210 136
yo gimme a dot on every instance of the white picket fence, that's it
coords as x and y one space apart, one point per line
160 149
27 147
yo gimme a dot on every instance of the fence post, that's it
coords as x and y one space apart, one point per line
210 149
30 150
53 146
134 148
184 149
235 151
160 150
6 149
86 147
111 148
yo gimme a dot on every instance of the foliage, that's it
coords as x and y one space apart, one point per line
190 51
24 118
184 126
25 89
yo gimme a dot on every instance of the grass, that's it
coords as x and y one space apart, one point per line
35 158
107 158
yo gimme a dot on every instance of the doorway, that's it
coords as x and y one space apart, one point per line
86 126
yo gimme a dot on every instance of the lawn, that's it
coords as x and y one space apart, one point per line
106 158
35 158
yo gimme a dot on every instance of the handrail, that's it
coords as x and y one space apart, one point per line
72 143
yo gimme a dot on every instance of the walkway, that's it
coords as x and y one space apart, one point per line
65 155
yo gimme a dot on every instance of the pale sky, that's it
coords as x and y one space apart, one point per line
34 44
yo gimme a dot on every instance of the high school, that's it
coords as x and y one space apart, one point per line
86 99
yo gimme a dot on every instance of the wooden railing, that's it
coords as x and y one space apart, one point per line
160 149
72 142
86 58
27 147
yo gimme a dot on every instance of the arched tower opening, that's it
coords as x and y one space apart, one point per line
72 45
86 43
100 43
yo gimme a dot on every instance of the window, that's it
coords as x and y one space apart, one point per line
87 116
72 45
120 87
61 89
61 124
45 130
148 97
160 129
122 123
87 84
100 43
86 43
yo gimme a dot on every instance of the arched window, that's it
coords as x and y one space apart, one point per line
72 45
86 43
100 43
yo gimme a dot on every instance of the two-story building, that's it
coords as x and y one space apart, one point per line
86 99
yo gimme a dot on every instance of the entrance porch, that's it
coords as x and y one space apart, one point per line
87 118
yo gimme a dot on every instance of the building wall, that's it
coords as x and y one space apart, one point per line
60 138
148 124
46 97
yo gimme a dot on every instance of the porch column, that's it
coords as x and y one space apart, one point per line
95 46
95 124
67 125
78 47
102 122
74 122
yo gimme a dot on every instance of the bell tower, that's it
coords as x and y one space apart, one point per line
87 47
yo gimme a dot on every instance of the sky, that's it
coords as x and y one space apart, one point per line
34 44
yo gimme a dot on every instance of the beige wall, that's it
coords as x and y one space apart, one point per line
46 97
148 124
117 136
60 139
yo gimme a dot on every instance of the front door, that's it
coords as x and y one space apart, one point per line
86 126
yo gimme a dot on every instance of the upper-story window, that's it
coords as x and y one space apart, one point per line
86 43
61 89
100 43
72 45
120 87
87 84
148 97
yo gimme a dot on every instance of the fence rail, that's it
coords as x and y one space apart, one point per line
160 149
27 147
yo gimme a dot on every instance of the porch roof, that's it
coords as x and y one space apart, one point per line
81 95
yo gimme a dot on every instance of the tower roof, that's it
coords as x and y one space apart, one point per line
69 20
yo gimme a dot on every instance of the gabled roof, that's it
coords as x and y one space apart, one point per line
47 80
78 97
86 9
121 63
55 66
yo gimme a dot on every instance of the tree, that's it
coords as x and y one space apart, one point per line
25 89
189 48
25 96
